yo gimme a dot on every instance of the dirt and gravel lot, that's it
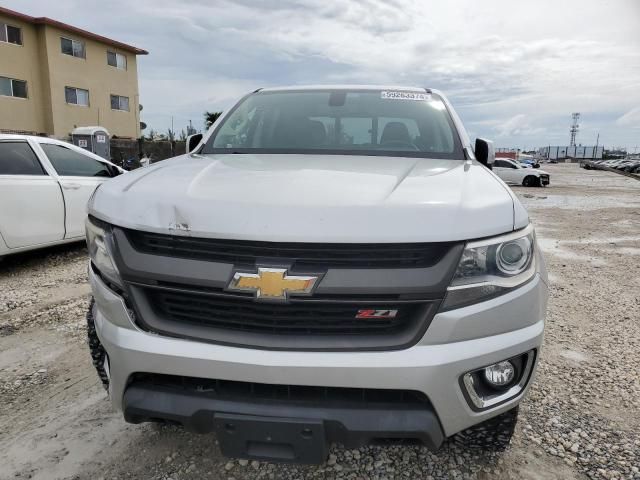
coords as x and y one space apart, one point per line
581 420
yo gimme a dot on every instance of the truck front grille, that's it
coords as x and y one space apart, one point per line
300 324
327 255
178 287
295 318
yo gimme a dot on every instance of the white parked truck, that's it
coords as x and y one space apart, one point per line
326 264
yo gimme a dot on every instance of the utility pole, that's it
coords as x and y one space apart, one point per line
574 128
595 152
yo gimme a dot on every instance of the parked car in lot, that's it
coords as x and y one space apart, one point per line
44 188
629 165
527 162
512 172
327 264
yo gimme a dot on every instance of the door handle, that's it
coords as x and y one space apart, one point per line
71 186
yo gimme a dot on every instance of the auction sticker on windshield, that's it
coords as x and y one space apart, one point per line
405 96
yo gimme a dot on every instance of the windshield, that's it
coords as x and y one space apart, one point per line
352 122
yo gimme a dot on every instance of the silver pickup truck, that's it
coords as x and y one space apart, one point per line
333 264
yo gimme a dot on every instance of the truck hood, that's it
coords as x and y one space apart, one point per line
312 198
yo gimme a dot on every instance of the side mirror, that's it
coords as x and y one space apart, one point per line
193 141
536 165
485 153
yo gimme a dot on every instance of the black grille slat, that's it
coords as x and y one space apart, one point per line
257 327
304 317
171 241
241 317
247 391
248 308
282 320
328 255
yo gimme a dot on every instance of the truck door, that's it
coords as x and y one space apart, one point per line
79 176
31 204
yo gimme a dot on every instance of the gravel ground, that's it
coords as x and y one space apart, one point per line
581 419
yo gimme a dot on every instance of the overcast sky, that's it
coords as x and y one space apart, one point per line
514 70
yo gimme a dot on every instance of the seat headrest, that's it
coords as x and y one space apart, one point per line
395 132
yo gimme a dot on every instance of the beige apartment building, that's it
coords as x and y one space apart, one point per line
55 77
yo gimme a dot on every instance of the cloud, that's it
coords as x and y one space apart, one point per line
514 70
630 119
518 125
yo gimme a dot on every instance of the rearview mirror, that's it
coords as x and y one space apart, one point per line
485 153
193 141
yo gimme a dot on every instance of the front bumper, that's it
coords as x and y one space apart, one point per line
293 429
456 342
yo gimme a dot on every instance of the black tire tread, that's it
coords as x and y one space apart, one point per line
97 351
491 435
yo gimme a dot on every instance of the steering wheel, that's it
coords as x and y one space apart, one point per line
400 143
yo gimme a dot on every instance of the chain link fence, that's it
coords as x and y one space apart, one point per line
127 152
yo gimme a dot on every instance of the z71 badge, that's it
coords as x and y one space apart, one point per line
376 313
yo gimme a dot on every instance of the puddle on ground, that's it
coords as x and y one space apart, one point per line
574 355
628 251
551 246
553 279
574 202
611 240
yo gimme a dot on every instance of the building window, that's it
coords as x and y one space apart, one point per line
10 34
72 47
10 87
76 96
117 60
119 103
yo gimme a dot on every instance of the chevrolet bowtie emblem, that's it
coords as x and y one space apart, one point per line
273 283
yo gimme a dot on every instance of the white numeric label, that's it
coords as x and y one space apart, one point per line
405 96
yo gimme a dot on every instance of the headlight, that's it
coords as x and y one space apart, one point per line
492 267
98 243
512 257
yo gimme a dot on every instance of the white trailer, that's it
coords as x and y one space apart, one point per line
554 152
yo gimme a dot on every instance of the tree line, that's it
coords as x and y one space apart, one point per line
170 135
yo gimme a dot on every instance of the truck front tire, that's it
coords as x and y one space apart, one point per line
491 435
97 351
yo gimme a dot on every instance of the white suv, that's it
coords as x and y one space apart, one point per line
328 264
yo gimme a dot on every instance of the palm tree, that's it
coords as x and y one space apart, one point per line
211 117
151 134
